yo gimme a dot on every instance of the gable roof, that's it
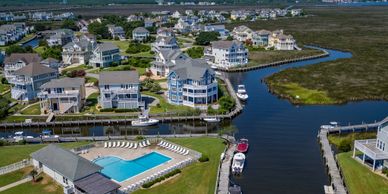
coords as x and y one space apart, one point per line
140 30
172 54
106 46
34 69
193 69
118 77
25 57
225 44
64 83
65 162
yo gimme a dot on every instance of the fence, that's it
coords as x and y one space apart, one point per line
15 166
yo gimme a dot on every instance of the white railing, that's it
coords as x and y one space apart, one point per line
15 166
360 145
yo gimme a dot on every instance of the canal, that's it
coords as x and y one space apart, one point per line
284 155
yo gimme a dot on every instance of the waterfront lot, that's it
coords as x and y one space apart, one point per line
198 177
360 30
270 56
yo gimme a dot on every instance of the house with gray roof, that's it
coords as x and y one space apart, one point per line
166 59
28 79
116 31
227 54
104 55
140 34
120 89
12 32
165 43
60 37
192 83
76 174
64 95
79 51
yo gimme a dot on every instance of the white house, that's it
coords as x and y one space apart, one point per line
12 32
116 32
74 173
79 51
140 34
163 43
279 41
227 54
60 37
242 33
165 59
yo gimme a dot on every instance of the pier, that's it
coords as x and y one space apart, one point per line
222 184
357 127
331 164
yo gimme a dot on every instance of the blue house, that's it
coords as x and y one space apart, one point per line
28 79
192 83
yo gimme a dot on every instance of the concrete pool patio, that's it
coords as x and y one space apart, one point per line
130 154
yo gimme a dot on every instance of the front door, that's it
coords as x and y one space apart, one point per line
55 106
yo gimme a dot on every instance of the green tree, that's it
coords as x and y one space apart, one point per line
204 38
226 104
99 29
69 24
52 52
195 52
18 49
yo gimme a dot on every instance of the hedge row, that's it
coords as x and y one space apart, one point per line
162 178
118 110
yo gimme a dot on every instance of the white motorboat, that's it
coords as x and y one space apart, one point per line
241 92
238 163
144 121
327 127
212 119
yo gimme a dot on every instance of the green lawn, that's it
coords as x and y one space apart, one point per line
17 153
198 177
91 103
91 80
297 94
358 178
336 139
11 177
32 110
165 106
79 67
39 49
44 185
4 87
142 54
140 70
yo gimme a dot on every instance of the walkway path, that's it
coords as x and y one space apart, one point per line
223 181
333 171
15 184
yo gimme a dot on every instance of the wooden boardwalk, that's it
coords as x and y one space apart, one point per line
358 127
224 171
331 164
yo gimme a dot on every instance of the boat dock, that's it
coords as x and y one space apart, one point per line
357 127
331 164
222 186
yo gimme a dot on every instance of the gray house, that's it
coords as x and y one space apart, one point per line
120 89
374 151
74 173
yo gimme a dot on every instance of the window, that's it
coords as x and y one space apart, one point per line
106 87
65 180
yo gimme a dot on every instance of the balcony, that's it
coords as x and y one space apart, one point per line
16 81
121 91
66 94
369 148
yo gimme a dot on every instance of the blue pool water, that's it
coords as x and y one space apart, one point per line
121 170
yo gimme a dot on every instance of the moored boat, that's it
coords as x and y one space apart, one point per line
144 121
238 163
242 146
242 93
212 119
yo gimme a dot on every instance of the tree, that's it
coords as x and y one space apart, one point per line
18 49
195 52
226 104
204 38
52 52
99 29
345 146
69 24
134 48
230 38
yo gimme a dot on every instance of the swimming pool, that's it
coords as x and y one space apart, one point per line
121 170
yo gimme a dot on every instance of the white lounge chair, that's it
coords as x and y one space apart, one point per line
109 144
118 144
186 152
141 144
135 147
105 144
179 150
148 142
160 143
122 144
114 144
130 146
126 145
164 144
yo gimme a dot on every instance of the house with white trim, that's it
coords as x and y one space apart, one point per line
104 55
227 54
140 34
166 59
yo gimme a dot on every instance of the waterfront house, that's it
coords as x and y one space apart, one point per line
374 151
42 16
148 23
120 89
74 173
104 55
79 51
164 43
260 38
116 32
10 33
140 34
16 61
242 33
28 79
192 83
279 41
65 95
60 37
166 59
227 54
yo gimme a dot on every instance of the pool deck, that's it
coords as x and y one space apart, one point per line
130 154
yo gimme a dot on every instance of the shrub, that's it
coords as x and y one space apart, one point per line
4 80
203 158
345 145
126 110
107 110
162 178
139 137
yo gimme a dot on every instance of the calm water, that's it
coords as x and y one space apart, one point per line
284 155
33 43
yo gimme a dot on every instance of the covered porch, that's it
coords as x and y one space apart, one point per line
369 153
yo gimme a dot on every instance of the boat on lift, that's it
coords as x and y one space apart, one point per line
238 163
241 92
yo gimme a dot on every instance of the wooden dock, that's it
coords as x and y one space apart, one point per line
222 185
357 127
163 119
250 68
331 164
